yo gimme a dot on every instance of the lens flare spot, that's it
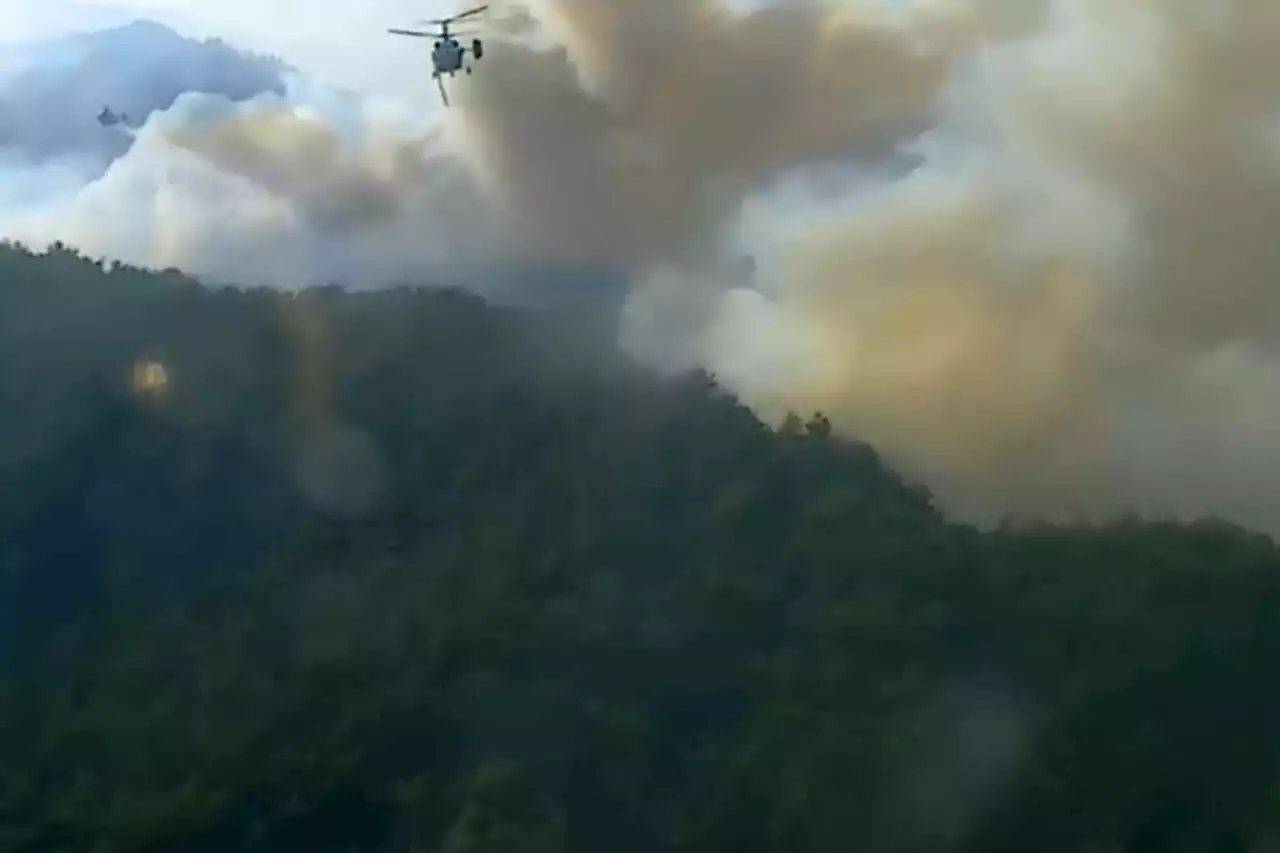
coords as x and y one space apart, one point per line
150 378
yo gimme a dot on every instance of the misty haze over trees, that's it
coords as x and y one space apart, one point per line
405 571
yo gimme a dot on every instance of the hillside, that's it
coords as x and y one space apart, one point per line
403 571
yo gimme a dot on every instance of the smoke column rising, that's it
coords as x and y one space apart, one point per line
1064 304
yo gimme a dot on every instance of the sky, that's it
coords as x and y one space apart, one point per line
1026 248
343 44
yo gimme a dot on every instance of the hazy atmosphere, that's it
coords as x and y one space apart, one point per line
1023 248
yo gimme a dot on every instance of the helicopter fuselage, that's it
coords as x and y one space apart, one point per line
107 117
447 56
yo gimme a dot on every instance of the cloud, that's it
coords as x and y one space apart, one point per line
1024 248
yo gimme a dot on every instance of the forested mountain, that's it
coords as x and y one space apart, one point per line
403 572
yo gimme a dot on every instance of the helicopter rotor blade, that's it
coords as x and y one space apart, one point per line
444 94
444 22
449 32
414 33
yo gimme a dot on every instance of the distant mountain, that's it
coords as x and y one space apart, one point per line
52 90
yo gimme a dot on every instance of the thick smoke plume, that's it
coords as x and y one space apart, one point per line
1023 248
1071 308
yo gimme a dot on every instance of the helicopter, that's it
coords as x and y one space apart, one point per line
107 118
447 56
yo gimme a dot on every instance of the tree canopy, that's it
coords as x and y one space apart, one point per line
406 572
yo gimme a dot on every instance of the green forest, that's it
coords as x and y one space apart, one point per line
401 571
